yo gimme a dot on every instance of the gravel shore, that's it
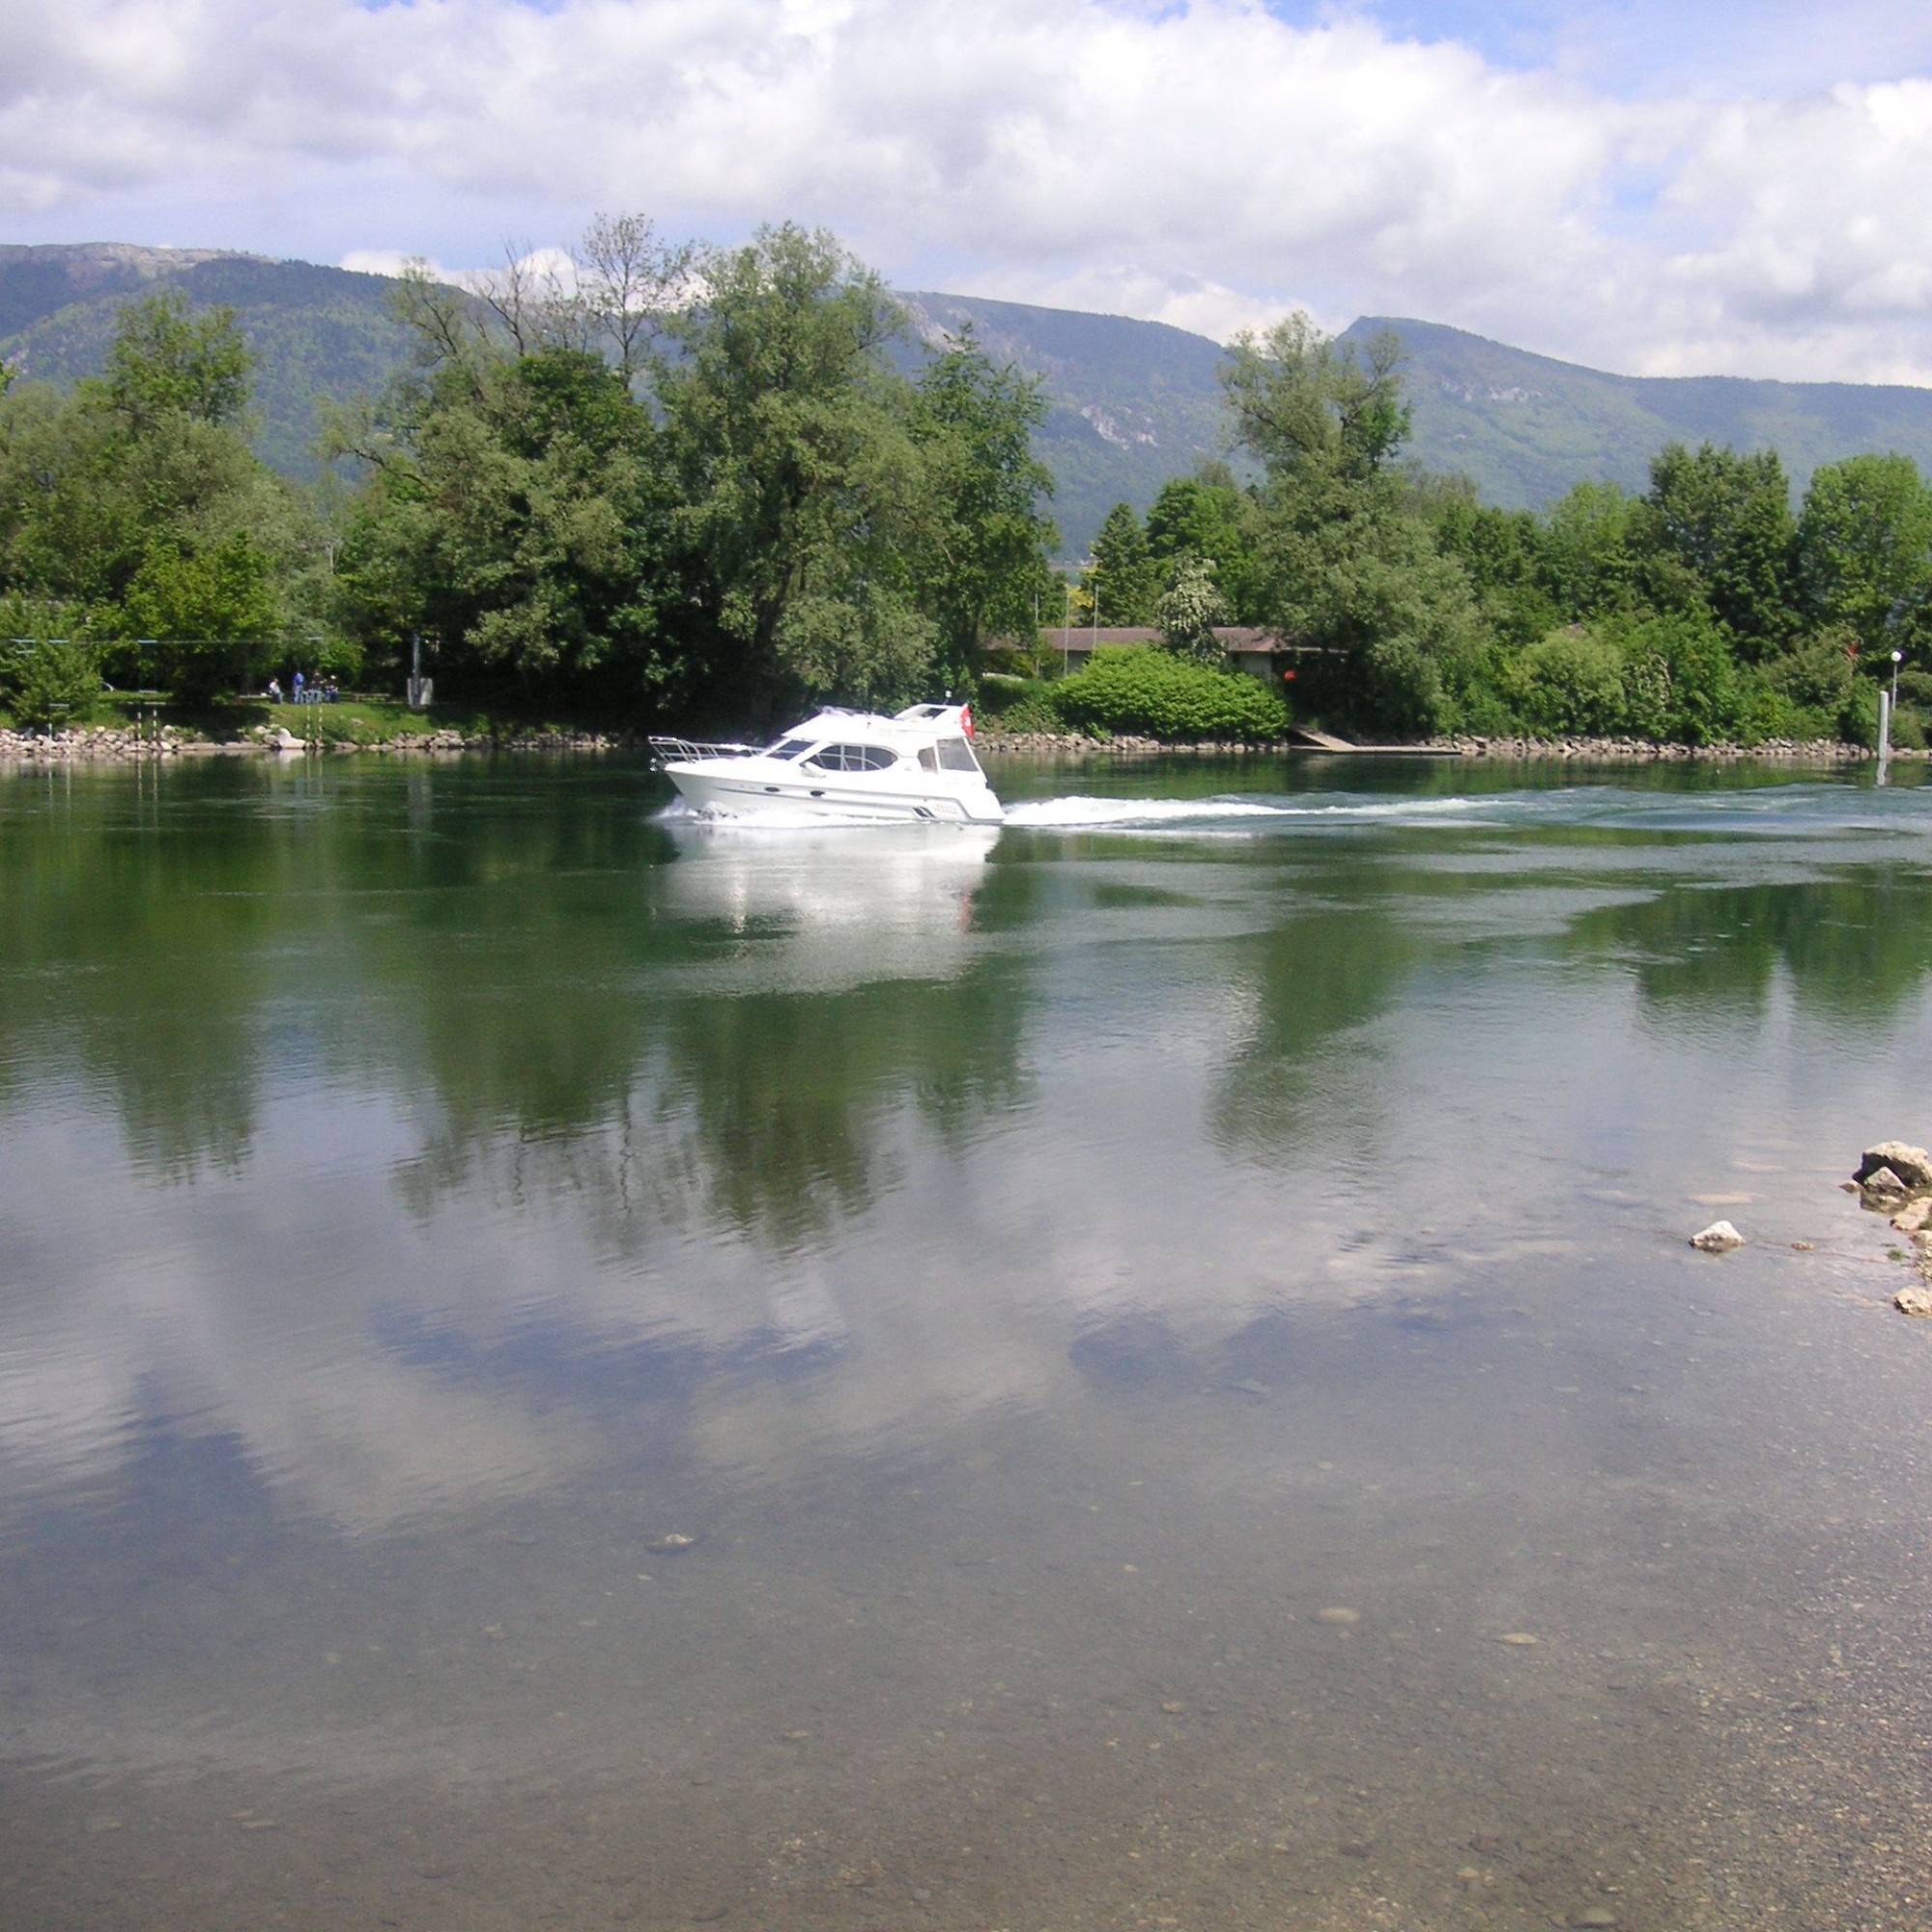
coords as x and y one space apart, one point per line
122 745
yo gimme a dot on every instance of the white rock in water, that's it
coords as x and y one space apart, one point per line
1881 1181
1718 1238
1913 1165
1912 1218
1912 1302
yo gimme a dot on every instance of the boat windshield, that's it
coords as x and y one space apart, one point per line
955 754
790 748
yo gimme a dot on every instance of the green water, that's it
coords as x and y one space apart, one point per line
563 1368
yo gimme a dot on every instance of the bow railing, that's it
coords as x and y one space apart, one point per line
665 750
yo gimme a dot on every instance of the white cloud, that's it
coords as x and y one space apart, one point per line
1207 164
382 262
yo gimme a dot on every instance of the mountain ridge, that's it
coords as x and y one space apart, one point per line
1129 403
1525 427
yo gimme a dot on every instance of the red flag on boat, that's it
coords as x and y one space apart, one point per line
966 719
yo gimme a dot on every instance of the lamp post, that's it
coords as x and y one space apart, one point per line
1888 704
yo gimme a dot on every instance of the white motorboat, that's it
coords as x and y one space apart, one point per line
842 765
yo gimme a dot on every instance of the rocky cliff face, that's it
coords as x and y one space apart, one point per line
37 281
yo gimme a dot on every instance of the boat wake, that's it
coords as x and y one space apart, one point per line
1255 813
1800 810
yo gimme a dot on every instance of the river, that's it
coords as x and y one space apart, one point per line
558 1368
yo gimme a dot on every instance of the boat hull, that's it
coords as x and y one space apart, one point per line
712 787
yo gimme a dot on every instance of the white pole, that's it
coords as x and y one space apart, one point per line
1884 731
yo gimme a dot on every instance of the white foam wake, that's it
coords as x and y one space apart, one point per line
1081 813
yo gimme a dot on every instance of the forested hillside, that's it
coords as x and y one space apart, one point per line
1523 428
1128 403
318 335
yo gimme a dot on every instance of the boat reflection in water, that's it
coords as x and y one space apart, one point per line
848 905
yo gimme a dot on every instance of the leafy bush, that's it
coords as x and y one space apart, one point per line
1681 681
339 658
1018 703
1571 680
1155 694
1036 712
1816 672
1814 689
49 678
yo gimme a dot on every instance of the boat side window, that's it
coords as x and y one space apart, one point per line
955 754
929 758
790 748
853 758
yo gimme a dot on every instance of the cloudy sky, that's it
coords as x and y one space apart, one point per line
1662 186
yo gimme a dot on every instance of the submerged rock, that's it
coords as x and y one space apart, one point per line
1718 1238
1910 1167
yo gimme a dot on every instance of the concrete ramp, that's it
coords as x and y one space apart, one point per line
1306 738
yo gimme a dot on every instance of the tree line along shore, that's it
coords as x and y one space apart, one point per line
700 489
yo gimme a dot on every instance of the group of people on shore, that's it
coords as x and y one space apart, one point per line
303 690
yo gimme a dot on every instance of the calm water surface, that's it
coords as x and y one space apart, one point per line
560 1369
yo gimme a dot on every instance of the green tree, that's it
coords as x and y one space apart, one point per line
1209 516
1718 530
137 499
1189 608
1588 551
1124 580
519 515
1347 563
798 477
165 362
985 543
760 514
1865 550
1501 552
1311 407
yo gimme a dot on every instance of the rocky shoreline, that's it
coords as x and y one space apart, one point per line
103 744
1577 750
106 743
